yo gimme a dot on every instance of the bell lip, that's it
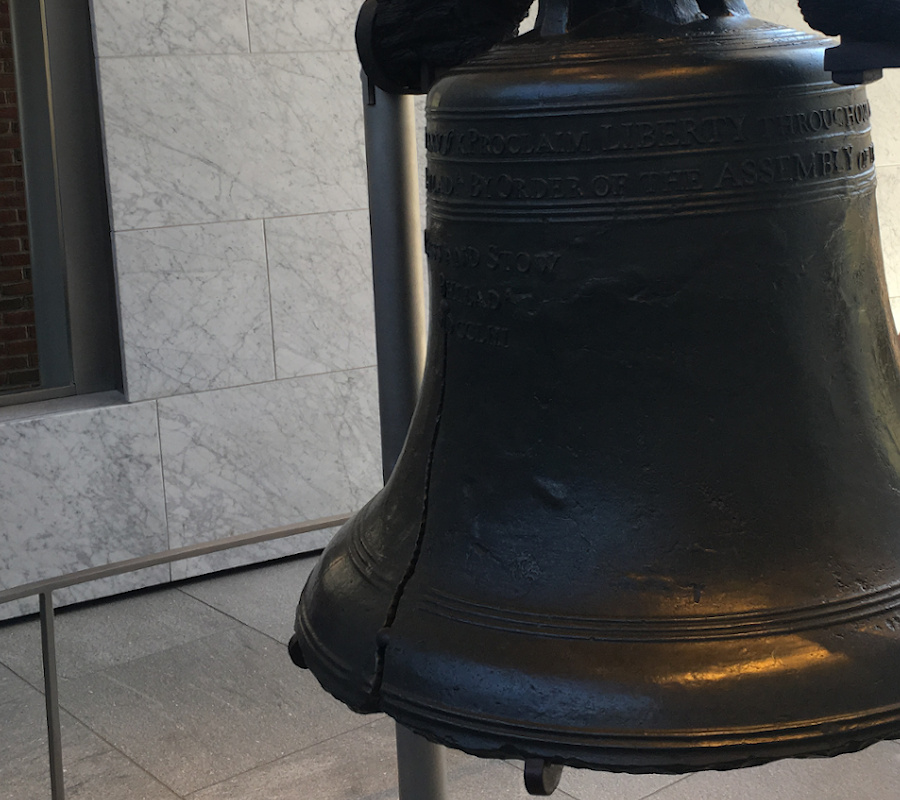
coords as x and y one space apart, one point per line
337 677
646 751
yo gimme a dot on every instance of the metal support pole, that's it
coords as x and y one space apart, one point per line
397 264
51 697
421 767
397 268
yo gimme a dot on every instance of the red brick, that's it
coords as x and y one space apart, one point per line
21 348
10 363
15 200
17 229
18 317
15 260
12 275
17 289
29 377
13 333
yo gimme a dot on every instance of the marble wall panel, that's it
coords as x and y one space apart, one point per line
889 222
194 139
158 27
79 490
321 277
885 99
194 304
783 12
257 457
278 26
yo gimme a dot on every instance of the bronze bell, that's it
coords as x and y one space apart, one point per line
647 517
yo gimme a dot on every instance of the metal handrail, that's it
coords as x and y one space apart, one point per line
44 590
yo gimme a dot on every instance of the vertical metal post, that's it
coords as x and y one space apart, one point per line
397 264
421 767
51 697
397 268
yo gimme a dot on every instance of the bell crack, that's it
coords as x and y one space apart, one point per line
382 638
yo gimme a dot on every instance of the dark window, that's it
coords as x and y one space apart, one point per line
68 278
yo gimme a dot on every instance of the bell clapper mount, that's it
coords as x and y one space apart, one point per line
854 62
541 777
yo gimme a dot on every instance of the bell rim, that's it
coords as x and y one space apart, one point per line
646 751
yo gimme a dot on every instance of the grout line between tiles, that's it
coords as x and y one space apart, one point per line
227 54
265 234
667 786
114 748
241 219
247 20
162 476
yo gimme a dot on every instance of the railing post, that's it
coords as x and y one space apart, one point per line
51 696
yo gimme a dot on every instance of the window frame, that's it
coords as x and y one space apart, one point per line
67 200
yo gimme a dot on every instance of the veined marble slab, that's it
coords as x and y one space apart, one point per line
278 26
257 457
778 11
157 27
195 308
320 268
80 490
889 222
195 139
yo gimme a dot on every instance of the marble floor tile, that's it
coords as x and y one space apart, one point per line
96 637
362 765
195 310
320 268
194 139
352 766
92 769
873 774
198 714
263 598
586 784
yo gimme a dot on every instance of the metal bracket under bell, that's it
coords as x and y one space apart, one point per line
855 62
542 778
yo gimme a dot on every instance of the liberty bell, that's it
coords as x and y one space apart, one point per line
647 516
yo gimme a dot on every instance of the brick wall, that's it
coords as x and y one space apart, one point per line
18 345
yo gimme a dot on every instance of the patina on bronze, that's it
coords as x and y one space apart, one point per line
647 518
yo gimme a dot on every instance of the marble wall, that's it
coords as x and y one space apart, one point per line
236 174
236 179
